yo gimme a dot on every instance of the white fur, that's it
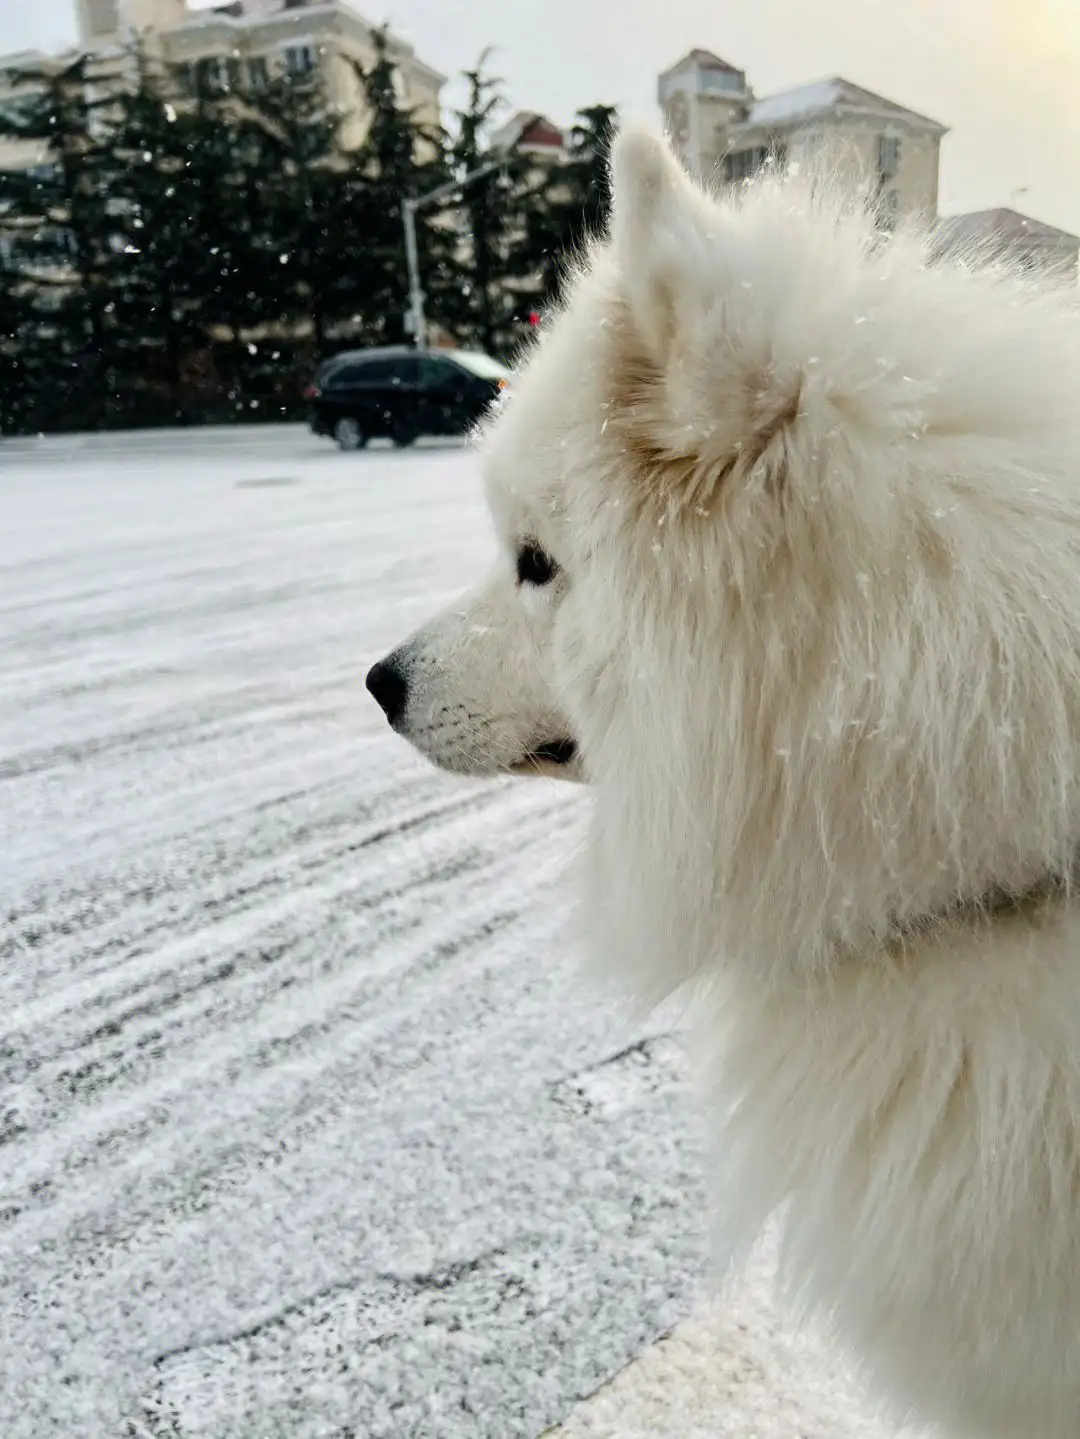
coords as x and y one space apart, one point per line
816 504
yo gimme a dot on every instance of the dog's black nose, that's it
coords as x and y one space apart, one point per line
388 685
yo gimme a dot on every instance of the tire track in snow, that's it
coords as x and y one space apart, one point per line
282 1011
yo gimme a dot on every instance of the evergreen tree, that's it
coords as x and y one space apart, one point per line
401 158
17 348
57 230
15 310
499 281
289 140
243 158
577 199
158 266
189 196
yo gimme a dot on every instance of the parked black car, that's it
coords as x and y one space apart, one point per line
401 393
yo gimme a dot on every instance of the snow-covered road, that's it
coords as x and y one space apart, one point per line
304 1127
307 1127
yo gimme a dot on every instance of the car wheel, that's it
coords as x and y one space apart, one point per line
349 435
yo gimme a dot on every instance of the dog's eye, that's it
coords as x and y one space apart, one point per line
535 566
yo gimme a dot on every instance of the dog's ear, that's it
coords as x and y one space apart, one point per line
646 181
657 214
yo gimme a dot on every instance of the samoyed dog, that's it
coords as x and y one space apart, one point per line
788 570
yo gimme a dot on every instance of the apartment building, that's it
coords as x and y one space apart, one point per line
238 45
723 130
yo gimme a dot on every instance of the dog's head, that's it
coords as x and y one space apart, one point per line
504 680
755 493
477 689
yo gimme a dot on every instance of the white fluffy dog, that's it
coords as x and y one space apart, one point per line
789 532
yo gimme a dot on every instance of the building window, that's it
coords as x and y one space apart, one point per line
216 75
208 77
889 209
300 59
888 148
722 82
743 165
51 248
184 78
258 73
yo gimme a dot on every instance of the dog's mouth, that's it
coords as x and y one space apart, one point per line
557 758
558 751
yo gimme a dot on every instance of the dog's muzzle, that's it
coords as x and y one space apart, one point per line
387 682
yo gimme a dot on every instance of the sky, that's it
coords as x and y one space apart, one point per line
1002 74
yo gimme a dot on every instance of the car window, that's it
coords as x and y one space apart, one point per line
387 370
344 375
435 372
326 371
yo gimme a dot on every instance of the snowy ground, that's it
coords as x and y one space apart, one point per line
306 1127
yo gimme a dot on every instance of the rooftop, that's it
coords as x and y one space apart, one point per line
529 130
834 96
1003 224
22 60
703 60
708 61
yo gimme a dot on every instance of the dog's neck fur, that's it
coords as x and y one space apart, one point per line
996 903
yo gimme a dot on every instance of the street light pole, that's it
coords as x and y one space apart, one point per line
415 319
